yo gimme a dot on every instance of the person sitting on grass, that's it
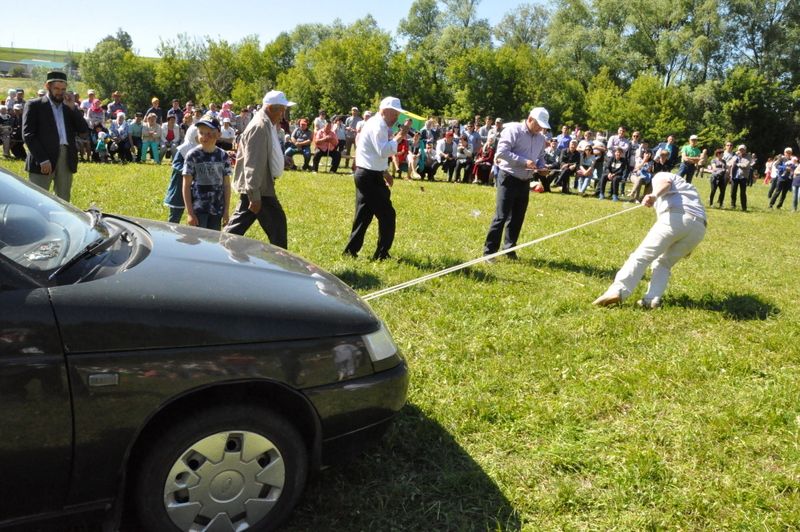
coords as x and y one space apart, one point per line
207 179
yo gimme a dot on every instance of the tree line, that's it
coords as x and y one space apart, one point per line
721 69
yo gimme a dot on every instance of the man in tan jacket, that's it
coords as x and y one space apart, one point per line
259 160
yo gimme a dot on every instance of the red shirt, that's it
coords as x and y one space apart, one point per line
326 140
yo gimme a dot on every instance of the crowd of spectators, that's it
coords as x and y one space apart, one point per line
616 167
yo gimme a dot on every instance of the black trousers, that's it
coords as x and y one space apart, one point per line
718 183
783 188
465 166
335 156
373 198
137 143
741 184
512 204
563 179
271 218
449 166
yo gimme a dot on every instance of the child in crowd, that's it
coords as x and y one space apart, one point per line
207 178
151 137
174 196
101 147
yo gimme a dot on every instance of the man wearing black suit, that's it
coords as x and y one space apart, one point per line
49 126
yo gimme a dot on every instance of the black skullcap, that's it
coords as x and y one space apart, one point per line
56 76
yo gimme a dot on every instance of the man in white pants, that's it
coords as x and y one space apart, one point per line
679 227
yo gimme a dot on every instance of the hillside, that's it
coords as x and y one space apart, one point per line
19 54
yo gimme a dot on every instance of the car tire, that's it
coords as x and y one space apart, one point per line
242 465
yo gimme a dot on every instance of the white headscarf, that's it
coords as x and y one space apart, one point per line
189 141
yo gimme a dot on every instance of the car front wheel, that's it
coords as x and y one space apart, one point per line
227 468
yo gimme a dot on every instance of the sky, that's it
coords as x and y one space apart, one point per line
149 21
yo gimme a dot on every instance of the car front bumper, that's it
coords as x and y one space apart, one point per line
353 413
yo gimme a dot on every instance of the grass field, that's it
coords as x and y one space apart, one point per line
31 86
20 54
530 409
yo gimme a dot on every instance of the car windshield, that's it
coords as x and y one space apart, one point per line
38 231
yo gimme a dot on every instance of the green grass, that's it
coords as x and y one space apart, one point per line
31 86
20 54
529 408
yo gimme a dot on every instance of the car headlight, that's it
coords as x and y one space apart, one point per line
380 344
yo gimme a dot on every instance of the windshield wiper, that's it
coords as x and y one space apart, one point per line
93 249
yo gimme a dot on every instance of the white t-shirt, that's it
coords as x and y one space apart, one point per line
679 197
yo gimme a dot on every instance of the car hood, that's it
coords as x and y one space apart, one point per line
199 287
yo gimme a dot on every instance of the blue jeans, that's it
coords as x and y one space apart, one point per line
305 150
686 171
795 196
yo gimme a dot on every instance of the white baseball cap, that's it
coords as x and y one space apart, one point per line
390 102
276 98
541 116
693 137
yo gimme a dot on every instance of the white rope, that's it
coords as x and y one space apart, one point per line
484 258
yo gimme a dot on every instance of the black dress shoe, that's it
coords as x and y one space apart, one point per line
348 253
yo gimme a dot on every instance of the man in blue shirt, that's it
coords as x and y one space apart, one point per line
520 153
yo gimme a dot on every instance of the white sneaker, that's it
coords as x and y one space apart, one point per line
649 303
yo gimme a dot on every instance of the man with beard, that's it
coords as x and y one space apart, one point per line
49 127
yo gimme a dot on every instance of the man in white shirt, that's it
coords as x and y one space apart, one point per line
320 121
374 145
680 226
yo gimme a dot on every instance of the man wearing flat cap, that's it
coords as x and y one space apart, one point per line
49 127
259 160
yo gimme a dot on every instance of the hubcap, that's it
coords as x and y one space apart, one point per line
226 481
